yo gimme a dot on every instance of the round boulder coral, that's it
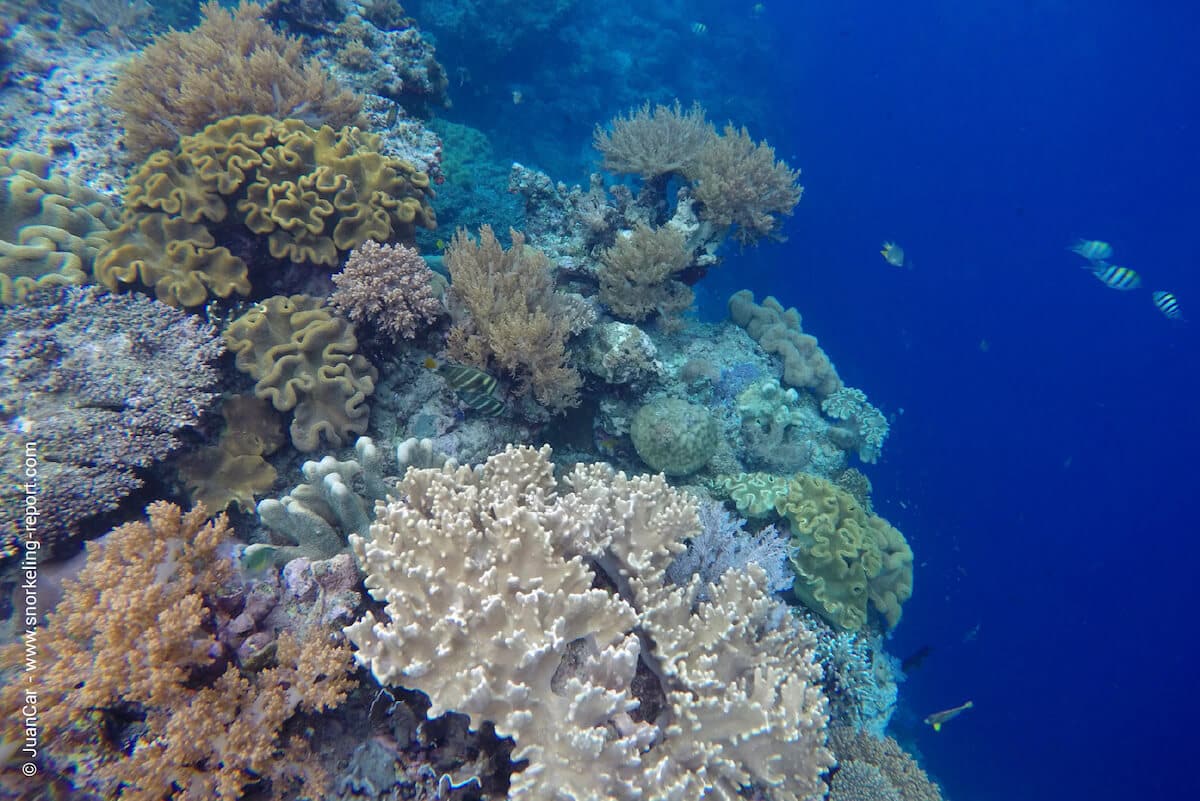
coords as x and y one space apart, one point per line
674 437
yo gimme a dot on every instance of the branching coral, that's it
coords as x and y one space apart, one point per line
899 769
508 317
389 287
232 63
654 143
493 579
639 274
132 680
741 184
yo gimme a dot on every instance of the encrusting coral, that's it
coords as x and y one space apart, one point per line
508 317
133 683
50 228
494 580
303 359
232 63
313 194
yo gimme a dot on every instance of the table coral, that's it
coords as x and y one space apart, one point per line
303 359
50 228
494 583
313 194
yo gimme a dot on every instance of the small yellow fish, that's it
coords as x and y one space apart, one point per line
938 718
699 28
1092 249
440 245
893 254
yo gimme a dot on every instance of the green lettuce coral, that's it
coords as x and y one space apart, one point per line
844 558
303 360
50 228
312 194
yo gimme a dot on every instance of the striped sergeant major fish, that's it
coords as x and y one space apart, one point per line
1115 277
475 388
1092 249
1168 304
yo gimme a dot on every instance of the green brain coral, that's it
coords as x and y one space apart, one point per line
312 194
844 557
50 228
673 436
303 358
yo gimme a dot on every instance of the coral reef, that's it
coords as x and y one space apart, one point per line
858 676
866 428
673 436
639 273
136 687
654 143
509 318
303 360
521 635
232 63
389 289
900 770
778 331
784 431
50 228
844 558
312 193
102 385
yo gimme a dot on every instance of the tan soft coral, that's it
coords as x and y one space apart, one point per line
508 317
232 63
133 635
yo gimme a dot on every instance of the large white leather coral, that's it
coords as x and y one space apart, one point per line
512 601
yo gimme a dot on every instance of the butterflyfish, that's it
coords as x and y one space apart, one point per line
1115 277
475 388
938 718
893 254
1092 249
1168 304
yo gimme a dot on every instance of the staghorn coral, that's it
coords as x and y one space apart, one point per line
522 634
312 193
303 360
388 287
232 63
639 274
101 384
844 558
778 331
509 318
134 684
654 143
50 228
741 184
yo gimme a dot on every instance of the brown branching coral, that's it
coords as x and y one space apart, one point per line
639 273
509 317
388 288
134 683
741 184
654 143
232 63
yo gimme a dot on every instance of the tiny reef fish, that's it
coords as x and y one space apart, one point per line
1115 277
1092 249
938 718
1168 304
699 28
474 387
893 254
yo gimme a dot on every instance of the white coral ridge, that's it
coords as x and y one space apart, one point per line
494 609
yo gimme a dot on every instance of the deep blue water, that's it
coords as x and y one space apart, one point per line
1043 463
